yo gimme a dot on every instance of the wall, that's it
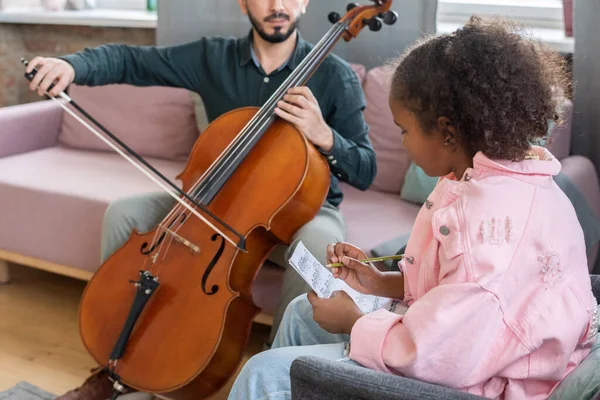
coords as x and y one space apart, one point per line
26 40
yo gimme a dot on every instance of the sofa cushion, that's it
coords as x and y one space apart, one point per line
54 200
154 121
375 217
360 70
417 185
392 158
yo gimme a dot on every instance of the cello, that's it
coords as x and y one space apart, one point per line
170 312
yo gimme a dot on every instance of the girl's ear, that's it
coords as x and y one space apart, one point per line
448 132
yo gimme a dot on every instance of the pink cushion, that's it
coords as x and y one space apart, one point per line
392 157
375 217
54 200
153 121
360 70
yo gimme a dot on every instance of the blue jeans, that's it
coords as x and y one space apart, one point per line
267 374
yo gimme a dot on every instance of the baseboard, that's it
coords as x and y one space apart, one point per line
45 265
264 319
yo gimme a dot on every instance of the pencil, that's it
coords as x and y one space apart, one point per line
375 259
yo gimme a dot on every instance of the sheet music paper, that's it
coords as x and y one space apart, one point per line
321 280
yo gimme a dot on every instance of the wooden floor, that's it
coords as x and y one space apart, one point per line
39 337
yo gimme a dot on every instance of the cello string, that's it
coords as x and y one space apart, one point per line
303 71
261 118
304 68
267 111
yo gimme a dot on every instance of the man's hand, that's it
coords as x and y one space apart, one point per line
337 314
50 70
301 108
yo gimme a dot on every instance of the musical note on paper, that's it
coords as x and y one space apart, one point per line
321 280
303 263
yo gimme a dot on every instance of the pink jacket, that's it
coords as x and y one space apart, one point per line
496 280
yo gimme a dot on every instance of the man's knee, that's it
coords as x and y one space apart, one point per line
318 236
141 212
120 219
117 213
299 309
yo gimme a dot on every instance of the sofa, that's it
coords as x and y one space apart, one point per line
57 178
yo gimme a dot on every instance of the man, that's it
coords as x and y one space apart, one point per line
229 73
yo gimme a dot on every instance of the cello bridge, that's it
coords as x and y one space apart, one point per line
180 239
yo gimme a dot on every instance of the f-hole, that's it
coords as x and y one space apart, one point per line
212 264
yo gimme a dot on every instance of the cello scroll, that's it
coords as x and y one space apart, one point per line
358 17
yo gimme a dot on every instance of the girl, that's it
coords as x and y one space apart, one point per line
495 281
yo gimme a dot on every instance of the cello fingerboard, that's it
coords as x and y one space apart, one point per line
207 187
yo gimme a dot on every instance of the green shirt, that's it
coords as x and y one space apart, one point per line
221 70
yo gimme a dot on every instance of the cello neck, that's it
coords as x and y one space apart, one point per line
207 188
306 68
263 118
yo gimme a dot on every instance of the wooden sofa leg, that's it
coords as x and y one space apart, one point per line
4 275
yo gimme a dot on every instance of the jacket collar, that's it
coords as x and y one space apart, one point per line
537 170
540 163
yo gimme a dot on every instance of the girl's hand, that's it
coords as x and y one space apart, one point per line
337 314
363 278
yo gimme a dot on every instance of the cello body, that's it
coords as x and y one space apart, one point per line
191 337
181 329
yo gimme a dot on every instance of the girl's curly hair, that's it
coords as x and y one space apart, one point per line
499 89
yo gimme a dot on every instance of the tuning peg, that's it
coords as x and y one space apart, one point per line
375 24
350 6
334 17
390 17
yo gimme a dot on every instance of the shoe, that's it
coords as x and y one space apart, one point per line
97 387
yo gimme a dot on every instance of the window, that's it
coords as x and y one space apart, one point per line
122 4
544 19
544 14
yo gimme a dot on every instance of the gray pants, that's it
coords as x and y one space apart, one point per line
145 212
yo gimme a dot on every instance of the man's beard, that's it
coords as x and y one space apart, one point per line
278 36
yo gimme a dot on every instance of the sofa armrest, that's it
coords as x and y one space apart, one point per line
29 127
317 378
